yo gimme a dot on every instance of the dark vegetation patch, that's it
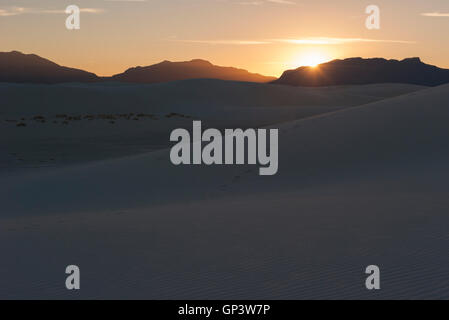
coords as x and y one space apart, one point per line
65 119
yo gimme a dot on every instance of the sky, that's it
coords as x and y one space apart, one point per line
263 36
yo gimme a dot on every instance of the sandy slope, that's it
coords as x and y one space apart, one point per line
182 95
220 104
364 185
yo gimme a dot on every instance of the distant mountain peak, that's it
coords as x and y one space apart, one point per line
16 66
414 60
183 70
30 58
201 61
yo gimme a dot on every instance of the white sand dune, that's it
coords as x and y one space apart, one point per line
219 104
182 95
359 186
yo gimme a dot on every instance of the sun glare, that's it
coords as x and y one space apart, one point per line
311 60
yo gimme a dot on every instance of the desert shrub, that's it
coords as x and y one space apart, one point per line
106 116
175 114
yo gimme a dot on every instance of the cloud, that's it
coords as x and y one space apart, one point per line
305 41
281 1
261 2
85 10
337 41
126 0
92 10
15 11
226 42
435 14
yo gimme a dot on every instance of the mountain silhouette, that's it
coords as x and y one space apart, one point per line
366 71
30 68
194 69
18 67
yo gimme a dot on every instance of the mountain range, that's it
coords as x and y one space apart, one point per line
366 71
17 67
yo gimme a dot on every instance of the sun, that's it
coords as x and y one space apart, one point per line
311 59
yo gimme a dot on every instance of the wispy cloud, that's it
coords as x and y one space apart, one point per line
85 10
15 11
281 1
126 0
12 11
435 14
261 2
336 41
225 42
301 41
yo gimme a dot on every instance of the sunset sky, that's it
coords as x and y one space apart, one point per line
264 36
